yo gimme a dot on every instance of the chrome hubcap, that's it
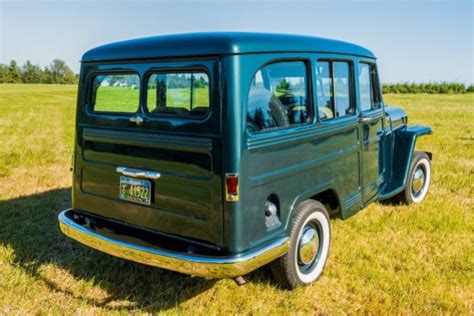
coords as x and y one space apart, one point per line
308 245
418 181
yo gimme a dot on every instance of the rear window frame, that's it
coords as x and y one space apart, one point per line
90 91
178 70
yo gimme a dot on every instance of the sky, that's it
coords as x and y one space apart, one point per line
414 41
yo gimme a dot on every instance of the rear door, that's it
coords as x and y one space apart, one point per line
371 129
149 146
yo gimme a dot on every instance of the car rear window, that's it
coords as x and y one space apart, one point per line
178 94
117 93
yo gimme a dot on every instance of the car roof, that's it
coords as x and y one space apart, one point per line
220 43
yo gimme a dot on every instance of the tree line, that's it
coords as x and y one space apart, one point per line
432 88
56 72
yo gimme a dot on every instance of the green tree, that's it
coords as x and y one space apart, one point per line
13 73
31 73
3 73
59 72
47 76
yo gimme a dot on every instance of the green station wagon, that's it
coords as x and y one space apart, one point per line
213 154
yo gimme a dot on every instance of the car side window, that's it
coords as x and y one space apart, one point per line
278 97
368 87
333 89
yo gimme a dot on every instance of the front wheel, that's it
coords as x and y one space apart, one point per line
418 180
309 247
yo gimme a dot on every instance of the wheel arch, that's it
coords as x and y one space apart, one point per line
325 194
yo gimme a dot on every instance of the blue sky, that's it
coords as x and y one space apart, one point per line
418 40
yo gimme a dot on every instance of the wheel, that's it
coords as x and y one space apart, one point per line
418 180
310 237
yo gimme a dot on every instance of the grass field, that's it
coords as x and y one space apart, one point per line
387 259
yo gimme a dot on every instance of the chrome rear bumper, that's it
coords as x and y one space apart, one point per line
193 264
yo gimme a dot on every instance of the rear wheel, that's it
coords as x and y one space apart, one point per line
418 180
309 247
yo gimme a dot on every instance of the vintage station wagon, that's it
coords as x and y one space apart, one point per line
213 154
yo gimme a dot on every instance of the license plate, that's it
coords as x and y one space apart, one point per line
135 190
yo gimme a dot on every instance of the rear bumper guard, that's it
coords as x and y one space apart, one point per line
193 264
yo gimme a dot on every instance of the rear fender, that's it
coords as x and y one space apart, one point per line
307 194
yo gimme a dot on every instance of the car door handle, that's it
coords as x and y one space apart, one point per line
135 173
366 120
137 119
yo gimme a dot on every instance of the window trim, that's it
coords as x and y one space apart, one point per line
352 94
375 87
309 96
178 70
90 91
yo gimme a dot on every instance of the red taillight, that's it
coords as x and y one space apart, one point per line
232 184
232 187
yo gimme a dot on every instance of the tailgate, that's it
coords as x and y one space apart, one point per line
185 150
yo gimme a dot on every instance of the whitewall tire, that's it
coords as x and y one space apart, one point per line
309 247
418 180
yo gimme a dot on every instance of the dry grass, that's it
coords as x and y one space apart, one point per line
387 259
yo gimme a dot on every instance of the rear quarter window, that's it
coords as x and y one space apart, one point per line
116 93
278 97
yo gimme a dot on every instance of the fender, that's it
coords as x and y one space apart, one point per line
309 193
403 147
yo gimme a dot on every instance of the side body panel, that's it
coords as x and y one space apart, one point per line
292 164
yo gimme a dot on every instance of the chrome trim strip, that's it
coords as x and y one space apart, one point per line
205 266
138 173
